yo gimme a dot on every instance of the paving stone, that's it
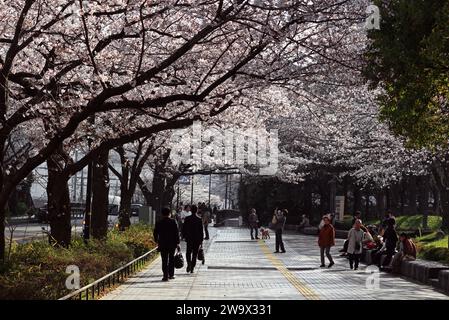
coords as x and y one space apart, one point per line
239 269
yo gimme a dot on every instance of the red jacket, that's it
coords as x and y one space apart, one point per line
326 237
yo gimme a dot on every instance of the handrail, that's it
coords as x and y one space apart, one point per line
110 278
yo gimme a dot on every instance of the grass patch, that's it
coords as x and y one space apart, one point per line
402 222
36 270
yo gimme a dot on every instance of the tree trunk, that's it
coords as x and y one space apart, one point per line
100 200
2 232
380 201
125 209
58 196
367 206
357 199
440 172
308 198
423 198
412 209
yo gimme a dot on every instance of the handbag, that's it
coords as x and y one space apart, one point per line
201 255
179 260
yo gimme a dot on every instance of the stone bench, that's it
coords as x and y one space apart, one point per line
367 256
422 271
443 280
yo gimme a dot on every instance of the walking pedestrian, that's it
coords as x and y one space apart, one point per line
326 240
355 239
193 233
206 219
278 222
184 214
253 221
166 235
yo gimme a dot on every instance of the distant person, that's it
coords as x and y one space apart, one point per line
253 221
193 233
166 235
326 240
384 224
206 219
278 222
355 239
407 252
357 216
305 222
391 239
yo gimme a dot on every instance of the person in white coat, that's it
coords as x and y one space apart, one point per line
355 239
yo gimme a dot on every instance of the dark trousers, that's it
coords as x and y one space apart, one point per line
254 229
206 232
328 254
354 260
390 252
168 262
192 254
279 242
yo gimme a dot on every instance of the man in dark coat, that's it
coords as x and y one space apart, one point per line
253 221
193 233
166 235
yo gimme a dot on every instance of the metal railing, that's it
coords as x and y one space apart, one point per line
115 277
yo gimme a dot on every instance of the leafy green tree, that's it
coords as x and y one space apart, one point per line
408 59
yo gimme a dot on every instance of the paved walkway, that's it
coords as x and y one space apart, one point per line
238 268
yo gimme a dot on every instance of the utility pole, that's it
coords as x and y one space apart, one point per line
191 192
210 178
177 198
88 213
75 177
226 192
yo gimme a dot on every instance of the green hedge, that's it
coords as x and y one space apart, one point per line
36 270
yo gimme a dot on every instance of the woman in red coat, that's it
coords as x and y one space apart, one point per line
326 240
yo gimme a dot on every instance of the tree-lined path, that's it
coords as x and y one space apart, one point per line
238 268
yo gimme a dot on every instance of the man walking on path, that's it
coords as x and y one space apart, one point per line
166 235
253 221
193 233
326 240
278 222
184 214
206 218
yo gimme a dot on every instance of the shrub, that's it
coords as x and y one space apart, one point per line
434 253
36 270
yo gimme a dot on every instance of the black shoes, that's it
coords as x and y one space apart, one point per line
276 251
188 269
164 279
331 264
172 277
257 238
283 251
323 266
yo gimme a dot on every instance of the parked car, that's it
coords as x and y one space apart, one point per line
42 214
135 207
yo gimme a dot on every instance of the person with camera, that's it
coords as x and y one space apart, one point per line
355 239
166 235
278 223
